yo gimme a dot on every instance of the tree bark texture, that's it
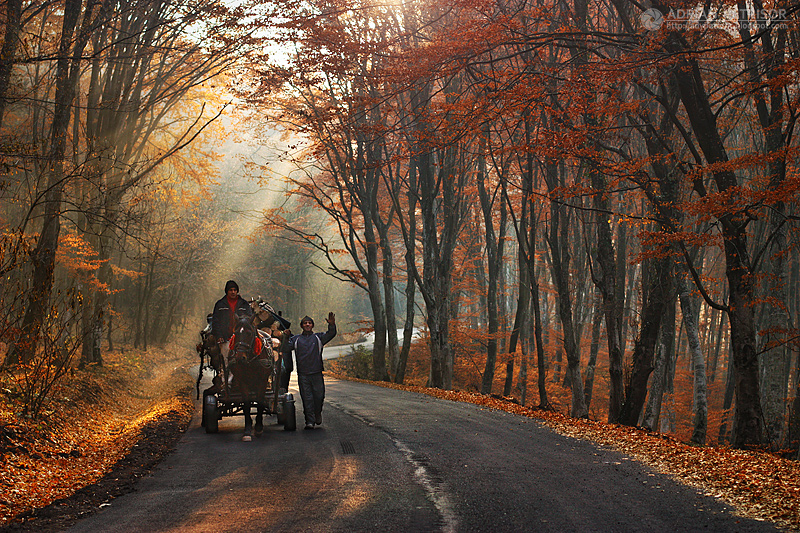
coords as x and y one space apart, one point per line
700 390
594 347
657 294
560 259
494 251
43 257
9 50
606 282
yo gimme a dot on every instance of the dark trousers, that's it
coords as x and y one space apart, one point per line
312 391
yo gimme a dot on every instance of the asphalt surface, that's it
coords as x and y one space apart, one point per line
387 460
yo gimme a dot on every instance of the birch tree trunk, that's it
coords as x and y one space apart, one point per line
690 321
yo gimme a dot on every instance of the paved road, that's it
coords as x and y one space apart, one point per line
332 352
388 460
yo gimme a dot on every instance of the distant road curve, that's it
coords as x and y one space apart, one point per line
332 352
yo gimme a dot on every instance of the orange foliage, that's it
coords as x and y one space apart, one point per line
677 406
77 256
94 424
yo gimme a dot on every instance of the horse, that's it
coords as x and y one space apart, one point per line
250 362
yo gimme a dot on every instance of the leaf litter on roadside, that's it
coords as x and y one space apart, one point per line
97 424
96 421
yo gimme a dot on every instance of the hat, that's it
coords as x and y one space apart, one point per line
306 319
231 285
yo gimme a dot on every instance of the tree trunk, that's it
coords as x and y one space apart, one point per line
593 349
663 374
372 277
559 254
698 363
748 423
775 358
518 330
379 372
727 402
392 349
494 260
526 342
100 296
410 260
145 301
718 319
608 285
9 50
657 295
541 363
440 189
44 254
652 413
793 432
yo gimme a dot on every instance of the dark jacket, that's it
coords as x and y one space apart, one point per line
308 349
224 318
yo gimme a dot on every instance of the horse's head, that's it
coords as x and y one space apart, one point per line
245 339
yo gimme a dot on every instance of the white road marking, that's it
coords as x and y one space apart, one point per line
434 490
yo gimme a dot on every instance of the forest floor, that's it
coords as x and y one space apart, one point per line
107 427
117 422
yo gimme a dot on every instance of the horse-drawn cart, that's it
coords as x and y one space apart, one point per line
251 374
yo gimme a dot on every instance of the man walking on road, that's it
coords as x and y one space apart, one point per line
308 353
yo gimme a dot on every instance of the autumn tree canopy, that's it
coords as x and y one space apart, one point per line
640 158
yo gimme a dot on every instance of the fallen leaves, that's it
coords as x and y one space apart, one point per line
97 421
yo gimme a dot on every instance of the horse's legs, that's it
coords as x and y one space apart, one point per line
248 422
259 418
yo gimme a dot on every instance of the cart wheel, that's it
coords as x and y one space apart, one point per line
290 420
281 413
211 414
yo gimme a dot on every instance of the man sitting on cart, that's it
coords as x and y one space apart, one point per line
224 317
